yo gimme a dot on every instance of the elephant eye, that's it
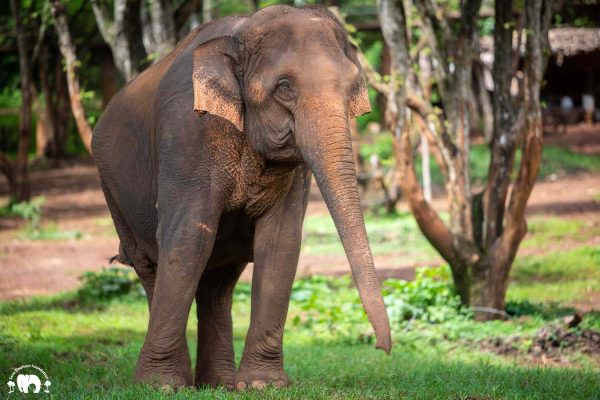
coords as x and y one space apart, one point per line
284 90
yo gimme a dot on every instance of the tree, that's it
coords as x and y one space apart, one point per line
67 49
158 25
483 235
122 31
18 173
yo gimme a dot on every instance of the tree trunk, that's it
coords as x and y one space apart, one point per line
62 117
486 111
67 49
206 11
158 26
49 112
123 33
108 79
22 191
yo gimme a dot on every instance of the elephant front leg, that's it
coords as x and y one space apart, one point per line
186 236
215 363
276 252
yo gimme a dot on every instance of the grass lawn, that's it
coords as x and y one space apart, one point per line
89 351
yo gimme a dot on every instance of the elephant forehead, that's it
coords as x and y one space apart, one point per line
289 27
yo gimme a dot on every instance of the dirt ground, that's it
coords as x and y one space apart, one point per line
74 201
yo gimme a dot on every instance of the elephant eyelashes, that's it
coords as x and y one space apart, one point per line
284 91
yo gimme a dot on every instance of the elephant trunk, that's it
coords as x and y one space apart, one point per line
326 146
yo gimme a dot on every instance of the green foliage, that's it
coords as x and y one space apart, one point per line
330 307
382 145
486 26
30 211
109 284
430 297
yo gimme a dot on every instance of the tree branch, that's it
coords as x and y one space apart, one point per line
505 132
393 27
67 49
104 20
536 46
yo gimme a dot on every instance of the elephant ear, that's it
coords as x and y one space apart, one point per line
216 88
359 100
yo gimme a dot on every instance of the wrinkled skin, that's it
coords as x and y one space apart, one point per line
195 196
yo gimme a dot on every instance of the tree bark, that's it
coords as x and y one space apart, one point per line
206 11
108 79
393 27
158 25
505 135
67 49
21 186
62 105
123 33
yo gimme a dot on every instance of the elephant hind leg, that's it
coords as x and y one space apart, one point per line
128 249
215 364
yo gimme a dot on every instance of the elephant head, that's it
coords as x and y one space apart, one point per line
290 81
25 380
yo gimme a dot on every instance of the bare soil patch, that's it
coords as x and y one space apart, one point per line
74 201
552 345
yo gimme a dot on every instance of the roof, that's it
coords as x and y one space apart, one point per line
572 41
563 41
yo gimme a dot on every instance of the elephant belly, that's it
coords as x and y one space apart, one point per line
234 242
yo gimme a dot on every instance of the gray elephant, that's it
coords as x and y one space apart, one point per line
195 196
24 381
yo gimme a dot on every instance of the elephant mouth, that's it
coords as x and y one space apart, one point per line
284 149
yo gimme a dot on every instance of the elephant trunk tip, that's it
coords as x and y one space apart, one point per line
384 344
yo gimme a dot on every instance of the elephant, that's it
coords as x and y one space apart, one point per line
25 380
206 160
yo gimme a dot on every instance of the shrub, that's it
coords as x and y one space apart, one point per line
430 298
108 284
30 211
330 307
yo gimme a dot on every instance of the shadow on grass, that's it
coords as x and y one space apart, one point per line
67 301
547 311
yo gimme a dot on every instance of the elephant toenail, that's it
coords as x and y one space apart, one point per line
279 383
167 388
241 385
259 384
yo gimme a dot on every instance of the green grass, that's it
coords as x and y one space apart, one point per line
48 232
555 160
90 354
387 234
89 349
546 230
559 277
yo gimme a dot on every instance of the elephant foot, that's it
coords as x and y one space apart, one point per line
167 381
215 379
258 379
169 374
